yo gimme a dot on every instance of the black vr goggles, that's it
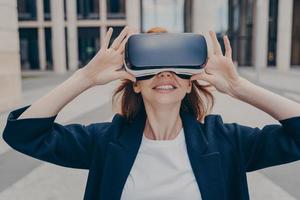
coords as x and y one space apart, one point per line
151 53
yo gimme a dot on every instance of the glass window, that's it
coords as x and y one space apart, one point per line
116 9
29 48
88 44
48 41
272 33
67 48
26 9
188 6
166 13
240 27
88 9
295 57
65 10
47 10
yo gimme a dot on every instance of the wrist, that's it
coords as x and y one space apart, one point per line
238 87
82 76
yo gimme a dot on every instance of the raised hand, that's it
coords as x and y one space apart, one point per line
106 65
219 69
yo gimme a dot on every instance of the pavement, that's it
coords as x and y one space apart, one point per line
23 177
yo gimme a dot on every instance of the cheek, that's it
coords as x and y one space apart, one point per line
185 86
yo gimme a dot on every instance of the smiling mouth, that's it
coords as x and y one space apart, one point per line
165 88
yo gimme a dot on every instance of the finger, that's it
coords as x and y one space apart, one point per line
216 46
209 53
107 38
118 40
125 75
203 76
228 51
123 44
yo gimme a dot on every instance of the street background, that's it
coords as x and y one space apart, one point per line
26 178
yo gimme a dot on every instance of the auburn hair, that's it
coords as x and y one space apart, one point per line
199 102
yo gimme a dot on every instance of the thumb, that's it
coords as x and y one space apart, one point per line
126 75
203 76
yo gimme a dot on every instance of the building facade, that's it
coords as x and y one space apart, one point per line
63 35
264 33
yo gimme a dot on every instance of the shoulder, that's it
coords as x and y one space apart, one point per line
213 121
108 128
218 122
215 126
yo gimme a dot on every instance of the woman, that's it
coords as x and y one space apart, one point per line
163 145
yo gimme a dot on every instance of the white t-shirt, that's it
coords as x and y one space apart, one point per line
161 170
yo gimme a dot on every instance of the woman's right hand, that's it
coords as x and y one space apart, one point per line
106 65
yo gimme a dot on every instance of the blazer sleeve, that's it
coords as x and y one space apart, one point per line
271 145
65 145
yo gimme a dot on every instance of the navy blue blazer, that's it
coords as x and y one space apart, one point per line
220 153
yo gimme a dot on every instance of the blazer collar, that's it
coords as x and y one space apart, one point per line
132 134
122 153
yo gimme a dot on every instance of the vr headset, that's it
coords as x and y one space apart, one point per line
151 53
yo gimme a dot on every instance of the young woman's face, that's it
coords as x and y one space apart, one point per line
163 88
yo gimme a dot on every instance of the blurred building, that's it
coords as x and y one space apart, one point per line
62 35
10 70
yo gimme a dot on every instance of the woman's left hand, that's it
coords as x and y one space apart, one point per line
219 69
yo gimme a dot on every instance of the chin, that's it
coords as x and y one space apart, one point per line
166 100
163 98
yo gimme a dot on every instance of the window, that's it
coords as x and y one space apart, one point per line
116 9
166 13
48 43
88 44
272 33
88 9
26 10
240 29
47 10
295 51
29 48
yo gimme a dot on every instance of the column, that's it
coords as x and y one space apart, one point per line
284 34
133 16
260 34
41 35
72 34
10 70
58 36
103 18
203 16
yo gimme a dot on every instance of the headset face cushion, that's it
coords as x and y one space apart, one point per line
150 53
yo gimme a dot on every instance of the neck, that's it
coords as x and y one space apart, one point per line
162 123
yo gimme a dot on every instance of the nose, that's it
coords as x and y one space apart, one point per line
165 74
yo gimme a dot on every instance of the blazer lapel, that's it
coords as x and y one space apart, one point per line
121 154
205 164
120 157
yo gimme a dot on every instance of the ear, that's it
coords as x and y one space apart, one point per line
136 87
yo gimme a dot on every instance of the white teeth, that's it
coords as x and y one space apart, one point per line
165 87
